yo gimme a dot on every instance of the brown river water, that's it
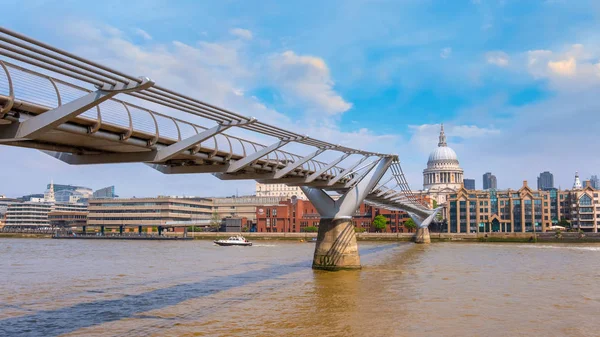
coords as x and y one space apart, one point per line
148 288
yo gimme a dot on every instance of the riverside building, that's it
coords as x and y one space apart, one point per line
279 190
522 210
295 215
147 212
34 215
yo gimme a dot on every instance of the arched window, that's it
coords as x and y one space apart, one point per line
585 200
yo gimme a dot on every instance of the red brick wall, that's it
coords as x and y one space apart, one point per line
292 218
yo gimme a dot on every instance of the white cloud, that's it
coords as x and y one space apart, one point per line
243 33
143 34
425 136
306 80
446 52
565 67
498 58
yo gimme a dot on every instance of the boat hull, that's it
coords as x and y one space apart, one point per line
233 244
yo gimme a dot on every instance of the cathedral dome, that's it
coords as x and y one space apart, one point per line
442 153
443 171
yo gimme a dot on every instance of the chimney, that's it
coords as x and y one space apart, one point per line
588 184
524 183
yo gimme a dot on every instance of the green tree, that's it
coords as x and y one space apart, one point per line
359 230
380 223
410 224
565 223
215 221
311 229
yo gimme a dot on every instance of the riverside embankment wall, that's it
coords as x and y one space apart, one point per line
435 237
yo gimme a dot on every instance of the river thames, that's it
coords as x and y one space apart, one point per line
129 288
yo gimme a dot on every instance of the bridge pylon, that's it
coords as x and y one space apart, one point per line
422 235
336 247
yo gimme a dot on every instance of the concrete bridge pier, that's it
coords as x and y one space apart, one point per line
422 235
423 221
336 247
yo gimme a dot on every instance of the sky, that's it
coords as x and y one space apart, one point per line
514 82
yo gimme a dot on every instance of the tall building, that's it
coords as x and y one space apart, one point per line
545 181
577 183
469 184
69 193
279 190
105 193
595 182
443 174
489 181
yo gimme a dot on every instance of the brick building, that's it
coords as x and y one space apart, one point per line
294 215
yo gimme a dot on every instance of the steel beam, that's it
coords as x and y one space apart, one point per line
242 163
102 158
326 168
360 176
347 204
346 171
188 169
290 167
177 148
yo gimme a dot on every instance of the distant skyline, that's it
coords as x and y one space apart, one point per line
515 83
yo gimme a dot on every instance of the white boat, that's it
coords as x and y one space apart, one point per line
234 241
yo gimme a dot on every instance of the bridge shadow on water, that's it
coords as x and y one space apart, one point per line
69 319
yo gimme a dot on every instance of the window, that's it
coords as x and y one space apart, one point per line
585 200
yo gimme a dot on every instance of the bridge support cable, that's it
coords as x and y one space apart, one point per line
328 167
336 246
240 164
346 171
292 166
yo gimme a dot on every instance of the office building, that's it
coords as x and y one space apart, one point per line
523 210
595 182
243 207
279 190
489 181
469 184
34 215
147 212
295 215
545 181
105 193
67 193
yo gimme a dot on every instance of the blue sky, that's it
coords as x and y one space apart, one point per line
513 81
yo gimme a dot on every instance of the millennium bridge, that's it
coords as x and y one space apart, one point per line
82 112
